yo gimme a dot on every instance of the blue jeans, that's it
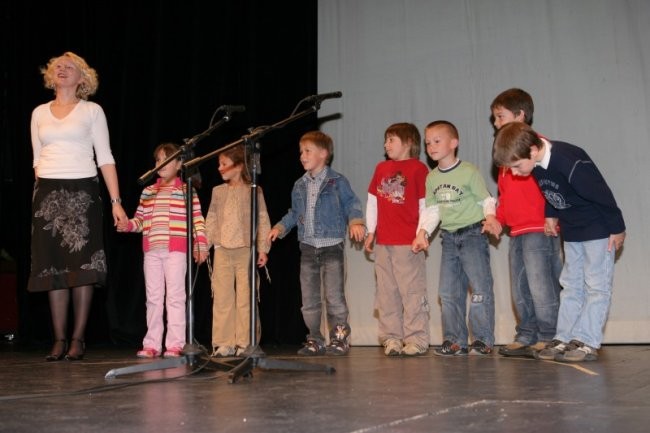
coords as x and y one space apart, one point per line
587 279
327 262
465 262
535 266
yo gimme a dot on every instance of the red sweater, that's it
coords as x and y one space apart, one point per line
521 203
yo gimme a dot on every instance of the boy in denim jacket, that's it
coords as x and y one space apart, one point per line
323 205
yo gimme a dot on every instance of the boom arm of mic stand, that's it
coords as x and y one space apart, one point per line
189 144
255 135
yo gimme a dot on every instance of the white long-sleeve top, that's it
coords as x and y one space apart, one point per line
66 148
371 212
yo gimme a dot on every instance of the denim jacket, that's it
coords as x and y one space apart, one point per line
336 207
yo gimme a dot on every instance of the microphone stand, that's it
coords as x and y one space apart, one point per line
191 350
253 354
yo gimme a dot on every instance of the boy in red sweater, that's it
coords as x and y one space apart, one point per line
535 258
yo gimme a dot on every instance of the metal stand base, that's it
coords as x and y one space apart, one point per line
255 357
190 354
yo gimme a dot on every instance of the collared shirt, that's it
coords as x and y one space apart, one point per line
547 155
313 185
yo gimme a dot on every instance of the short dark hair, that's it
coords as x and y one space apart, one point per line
515 100
513 142
408 133
322 141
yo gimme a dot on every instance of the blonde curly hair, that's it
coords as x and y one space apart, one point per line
89 80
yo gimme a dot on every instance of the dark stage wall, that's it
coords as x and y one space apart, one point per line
163 70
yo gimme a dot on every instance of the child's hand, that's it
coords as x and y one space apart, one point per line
262 258
492 226
200 256
122 226
420 243
370 239
273 234
550 226
616 241
357 232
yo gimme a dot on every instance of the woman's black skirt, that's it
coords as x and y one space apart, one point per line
67 235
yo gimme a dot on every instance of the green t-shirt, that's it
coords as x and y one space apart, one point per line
459 193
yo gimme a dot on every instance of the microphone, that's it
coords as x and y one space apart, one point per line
233 108
324 96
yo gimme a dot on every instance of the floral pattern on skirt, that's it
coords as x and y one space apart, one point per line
67 235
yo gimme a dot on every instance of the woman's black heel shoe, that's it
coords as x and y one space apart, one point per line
58 351
77 350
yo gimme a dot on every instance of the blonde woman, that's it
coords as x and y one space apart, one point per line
69 133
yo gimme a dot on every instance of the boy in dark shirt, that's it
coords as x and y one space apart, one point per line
592 227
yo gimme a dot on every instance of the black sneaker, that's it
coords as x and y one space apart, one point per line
450 349
480 348
312 348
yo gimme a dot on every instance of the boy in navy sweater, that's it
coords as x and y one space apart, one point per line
592 227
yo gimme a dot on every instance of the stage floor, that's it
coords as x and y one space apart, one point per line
367 392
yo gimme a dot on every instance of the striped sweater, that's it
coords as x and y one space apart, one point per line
161 217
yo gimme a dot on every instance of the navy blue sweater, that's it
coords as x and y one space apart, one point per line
577 194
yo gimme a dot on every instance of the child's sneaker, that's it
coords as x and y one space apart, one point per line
514 349
552 349
413 349
312 348
578 352
480 348
450 349
533 350
174 352
393 347
224 352
147 353
337 347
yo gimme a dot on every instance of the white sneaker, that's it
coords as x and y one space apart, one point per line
392 347
412 349
224 351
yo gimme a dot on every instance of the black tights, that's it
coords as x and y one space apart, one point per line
59 301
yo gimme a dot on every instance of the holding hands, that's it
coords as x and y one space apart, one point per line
119 216
122 225
421 241
492 226
357 232
273 234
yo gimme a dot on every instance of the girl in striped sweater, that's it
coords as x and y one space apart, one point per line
161 217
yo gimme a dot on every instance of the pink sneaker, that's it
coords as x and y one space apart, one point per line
174 352
147 353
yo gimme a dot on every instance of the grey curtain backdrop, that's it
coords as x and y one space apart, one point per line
585 62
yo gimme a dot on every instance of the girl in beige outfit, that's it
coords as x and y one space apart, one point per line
228 229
